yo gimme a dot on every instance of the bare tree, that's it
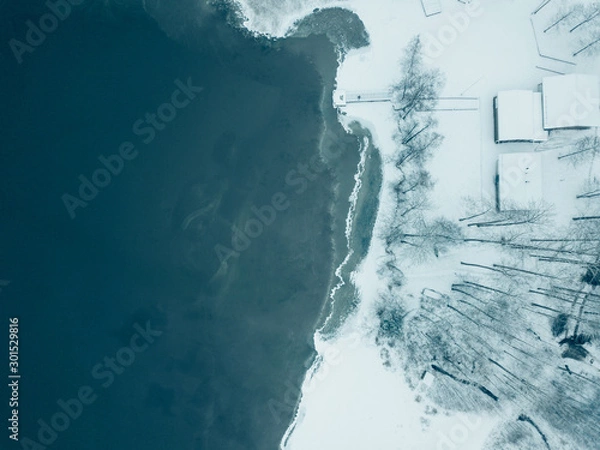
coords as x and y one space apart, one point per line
534 213
422 239
417 139
419 87
583 150
413 181
580 20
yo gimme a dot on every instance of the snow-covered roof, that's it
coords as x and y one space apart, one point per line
431 7
519 180
519 117
571 101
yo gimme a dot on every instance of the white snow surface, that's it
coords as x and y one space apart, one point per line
519 116
520 180
571 101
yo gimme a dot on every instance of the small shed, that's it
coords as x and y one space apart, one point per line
518 117
571 101
431 7
519 180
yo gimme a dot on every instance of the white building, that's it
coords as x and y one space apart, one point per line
571 101
518 117
431 7
519 180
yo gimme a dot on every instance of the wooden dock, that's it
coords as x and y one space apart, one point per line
343 98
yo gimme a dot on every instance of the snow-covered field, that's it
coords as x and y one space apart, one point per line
351 401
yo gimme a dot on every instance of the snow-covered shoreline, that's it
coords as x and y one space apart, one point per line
350 400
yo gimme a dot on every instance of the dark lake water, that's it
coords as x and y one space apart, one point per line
135 249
